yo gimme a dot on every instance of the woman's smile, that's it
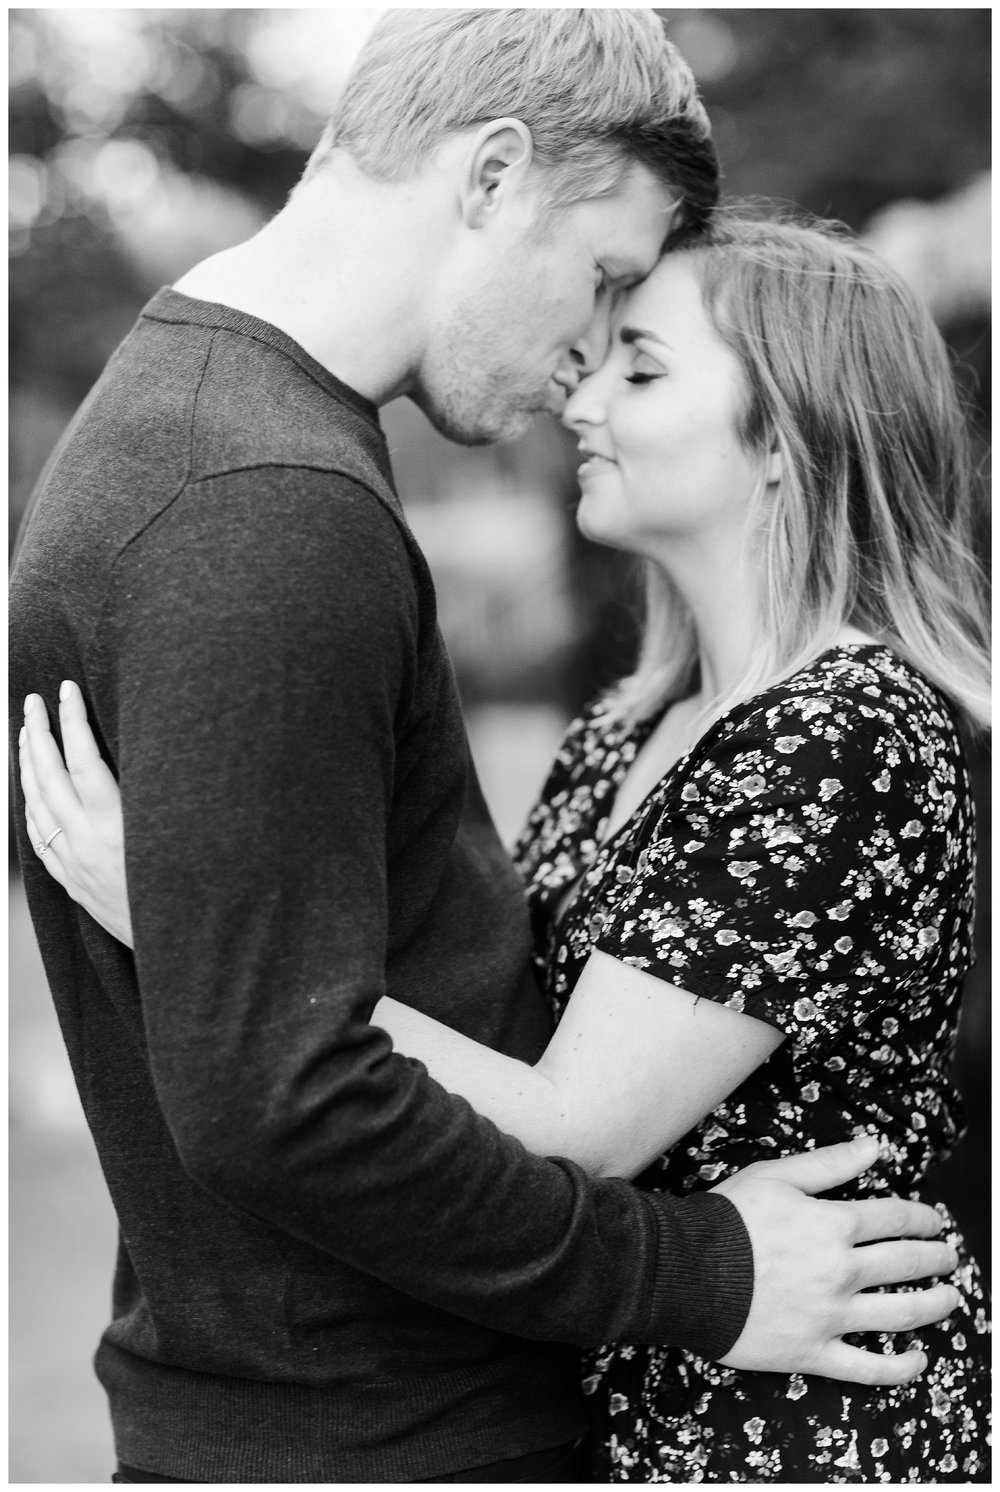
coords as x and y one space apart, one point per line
593 462
659 423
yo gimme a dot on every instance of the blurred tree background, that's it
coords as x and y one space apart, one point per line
141 140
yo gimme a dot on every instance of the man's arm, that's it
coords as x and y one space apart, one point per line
257 988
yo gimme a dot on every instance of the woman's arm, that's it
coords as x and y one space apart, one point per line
633 1065
816 1263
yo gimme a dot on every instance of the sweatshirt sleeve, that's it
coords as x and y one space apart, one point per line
254 684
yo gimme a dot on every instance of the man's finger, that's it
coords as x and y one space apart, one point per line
823 1169
903 1259
902 1312
92 779
853 1365
893 1217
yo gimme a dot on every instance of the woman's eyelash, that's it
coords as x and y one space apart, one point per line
642 377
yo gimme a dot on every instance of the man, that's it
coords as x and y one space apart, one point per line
330 1269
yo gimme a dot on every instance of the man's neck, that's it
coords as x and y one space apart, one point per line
339 270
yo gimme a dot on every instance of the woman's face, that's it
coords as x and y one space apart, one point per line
664 472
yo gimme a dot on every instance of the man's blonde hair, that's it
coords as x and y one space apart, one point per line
598 89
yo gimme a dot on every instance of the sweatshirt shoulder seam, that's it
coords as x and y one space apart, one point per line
354 477
272 346
154 518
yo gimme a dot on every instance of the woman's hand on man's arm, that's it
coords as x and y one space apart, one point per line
633 1064
73 811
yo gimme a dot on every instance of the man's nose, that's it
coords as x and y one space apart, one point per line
590 350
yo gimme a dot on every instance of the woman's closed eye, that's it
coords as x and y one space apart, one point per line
642 377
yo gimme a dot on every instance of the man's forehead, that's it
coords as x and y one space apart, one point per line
637 221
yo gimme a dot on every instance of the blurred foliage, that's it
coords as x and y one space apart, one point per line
841 111
143 139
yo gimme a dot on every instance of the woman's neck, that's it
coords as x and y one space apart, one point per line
723 595
723 600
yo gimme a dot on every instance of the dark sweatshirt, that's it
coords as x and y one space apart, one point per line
330 1269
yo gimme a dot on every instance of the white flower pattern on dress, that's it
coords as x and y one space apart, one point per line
809 862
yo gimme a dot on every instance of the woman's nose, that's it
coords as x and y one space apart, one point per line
585 406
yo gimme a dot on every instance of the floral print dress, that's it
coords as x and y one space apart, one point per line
809 862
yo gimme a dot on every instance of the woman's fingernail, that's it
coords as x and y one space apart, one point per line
22 735
65 690
29 703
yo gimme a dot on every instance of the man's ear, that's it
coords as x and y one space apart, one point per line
496 166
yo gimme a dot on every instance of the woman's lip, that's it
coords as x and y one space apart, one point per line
593 459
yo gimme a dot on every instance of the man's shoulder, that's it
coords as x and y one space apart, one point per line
194 408
242 395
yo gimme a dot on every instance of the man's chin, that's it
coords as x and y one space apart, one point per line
511 427
479 427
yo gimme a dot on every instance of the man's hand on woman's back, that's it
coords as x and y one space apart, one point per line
816 1262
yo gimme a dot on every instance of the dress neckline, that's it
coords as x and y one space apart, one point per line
639 733
644 729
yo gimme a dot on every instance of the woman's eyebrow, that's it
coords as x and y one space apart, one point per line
632 334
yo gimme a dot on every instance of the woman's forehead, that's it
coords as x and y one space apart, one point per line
669 295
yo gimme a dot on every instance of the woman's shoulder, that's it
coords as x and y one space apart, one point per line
852 694
876 678
857 722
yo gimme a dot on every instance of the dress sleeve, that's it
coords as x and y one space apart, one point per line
799 872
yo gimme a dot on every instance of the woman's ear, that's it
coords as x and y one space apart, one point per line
496 167
774 466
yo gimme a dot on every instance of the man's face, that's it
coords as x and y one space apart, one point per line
526 309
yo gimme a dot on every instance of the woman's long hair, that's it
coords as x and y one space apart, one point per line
850 380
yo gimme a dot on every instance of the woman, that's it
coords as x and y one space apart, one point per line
750 870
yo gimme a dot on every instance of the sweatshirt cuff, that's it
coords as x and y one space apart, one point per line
703 1284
